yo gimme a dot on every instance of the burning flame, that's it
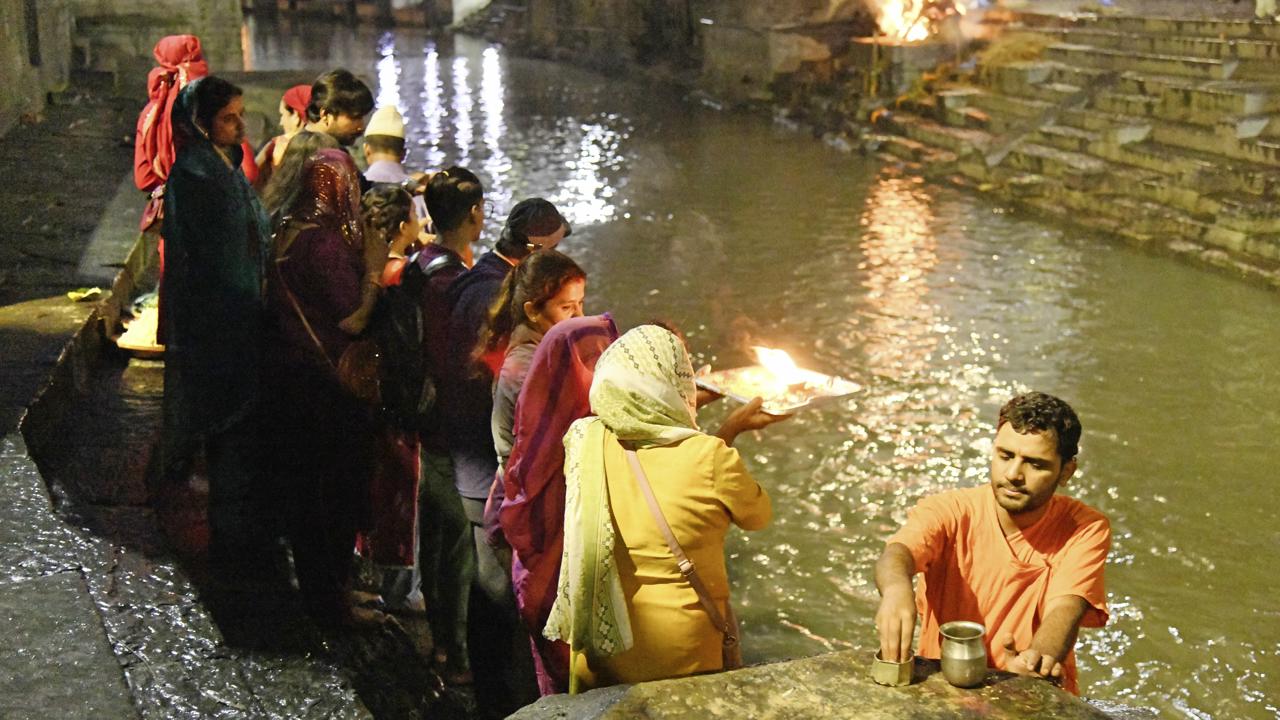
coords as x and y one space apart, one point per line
915 20
780 364
903 20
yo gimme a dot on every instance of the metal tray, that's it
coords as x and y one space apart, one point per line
743 383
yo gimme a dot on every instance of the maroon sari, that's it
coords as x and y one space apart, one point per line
323 435
555 393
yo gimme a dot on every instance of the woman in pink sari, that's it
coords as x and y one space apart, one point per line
532 513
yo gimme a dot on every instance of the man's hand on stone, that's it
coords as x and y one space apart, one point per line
896 622
1030 661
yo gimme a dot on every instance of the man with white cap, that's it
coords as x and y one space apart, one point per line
384 152
384 146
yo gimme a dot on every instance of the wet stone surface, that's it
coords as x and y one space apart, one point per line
814 688
66 661
175 647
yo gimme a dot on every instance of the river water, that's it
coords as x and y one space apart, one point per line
940 303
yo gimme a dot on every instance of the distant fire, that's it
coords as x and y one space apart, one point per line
914 20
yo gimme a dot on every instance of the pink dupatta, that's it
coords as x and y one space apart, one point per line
555 393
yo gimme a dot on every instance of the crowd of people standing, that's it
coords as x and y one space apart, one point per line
353 378
530 478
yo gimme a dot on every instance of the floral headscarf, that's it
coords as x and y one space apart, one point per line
330 195
643 388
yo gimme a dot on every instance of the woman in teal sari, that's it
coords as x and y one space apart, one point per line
217 234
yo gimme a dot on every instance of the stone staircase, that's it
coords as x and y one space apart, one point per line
1161 130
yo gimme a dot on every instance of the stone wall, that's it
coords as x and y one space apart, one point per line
732 50
35 52
118 33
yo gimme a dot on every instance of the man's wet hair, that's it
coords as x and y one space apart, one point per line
450 196
1039 412
212 94
384 144
339 92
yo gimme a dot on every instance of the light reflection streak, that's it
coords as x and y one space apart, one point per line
463 104
497 165
901 251
585 196
388 69
432 108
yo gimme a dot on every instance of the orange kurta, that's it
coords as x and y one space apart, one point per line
972 571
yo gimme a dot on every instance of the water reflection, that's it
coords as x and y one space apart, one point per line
497 165
898 247
389 74
432 107
585 195
462 105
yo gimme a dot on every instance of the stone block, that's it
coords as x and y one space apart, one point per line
736 64
1067 138
1017 78
896 64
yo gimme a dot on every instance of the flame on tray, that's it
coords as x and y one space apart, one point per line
779 364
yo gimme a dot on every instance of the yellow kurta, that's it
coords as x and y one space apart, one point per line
701 485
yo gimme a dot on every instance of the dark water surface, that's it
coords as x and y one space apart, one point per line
940 304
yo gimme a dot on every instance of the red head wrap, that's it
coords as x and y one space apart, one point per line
297 98
179 61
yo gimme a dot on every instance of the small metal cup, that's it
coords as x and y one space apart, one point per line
893 674
964 658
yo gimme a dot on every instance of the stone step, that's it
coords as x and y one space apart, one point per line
1122 60
1170 107
1201 172
1026 78
1149 25
1000 105
1071 167
1246 215
1217 48
961 141
1115 128
1222 139
1067 138
1189 99
1127 104
1188 27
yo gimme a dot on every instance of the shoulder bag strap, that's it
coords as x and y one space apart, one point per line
292 233
687 569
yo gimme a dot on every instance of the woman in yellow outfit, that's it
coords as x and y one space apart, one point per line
622 604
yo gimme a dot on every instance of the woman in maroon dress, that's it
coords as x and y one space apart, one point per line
324 432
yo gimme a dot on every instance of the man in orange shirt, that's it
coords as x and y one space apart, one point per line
1024 562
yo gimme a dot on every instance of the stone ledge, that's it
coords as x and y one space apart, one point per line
824 686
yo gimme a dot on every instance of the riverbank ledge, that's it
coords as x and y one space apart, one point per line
824 686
